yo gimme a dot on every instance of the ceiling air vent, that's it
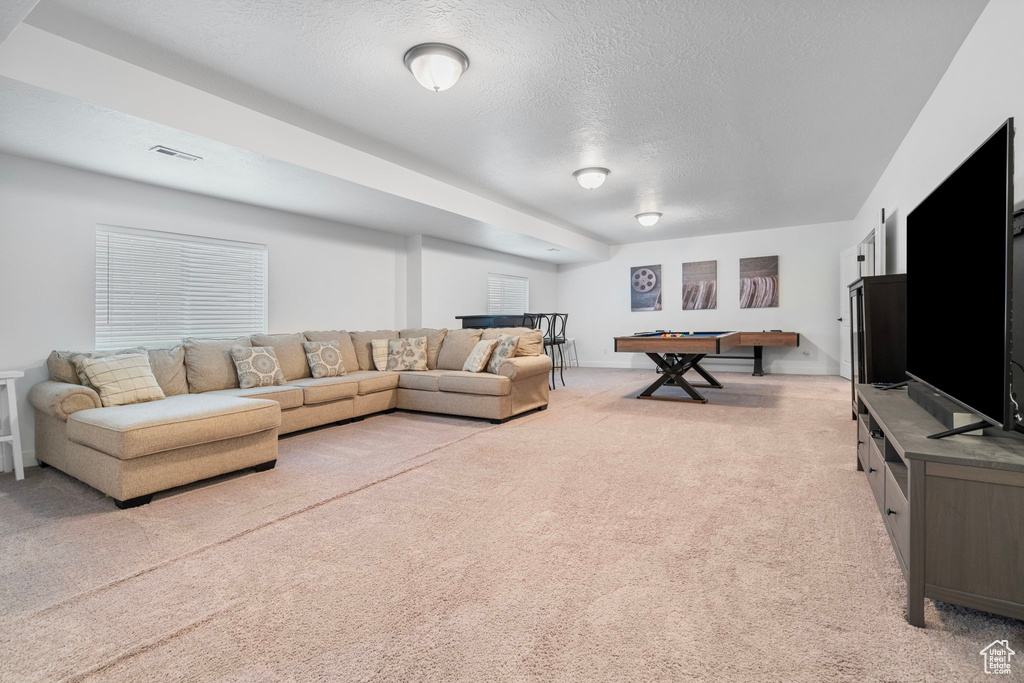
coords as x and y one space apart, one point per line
184 156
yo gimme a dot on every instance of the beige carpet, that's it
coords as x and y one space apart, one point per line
607 539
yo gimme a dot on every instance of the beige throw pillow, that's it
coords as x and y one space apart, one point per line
257 366
505 349
379 353
324 358
77 359
407 354
122 379
477 360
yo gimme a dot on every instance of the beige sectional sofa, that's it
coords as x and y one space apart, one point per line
208 426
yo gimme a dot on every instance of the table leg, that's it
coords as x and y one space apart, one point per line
758 366
672 375
711 379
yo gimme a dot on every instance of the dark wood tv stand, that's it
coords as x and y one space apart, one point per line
954 508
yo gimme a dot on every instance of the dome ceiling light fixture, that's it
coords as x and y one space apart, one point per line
591 178
435 65
648 219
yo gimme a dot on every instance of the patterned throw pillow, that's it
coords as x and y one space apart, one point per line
477 360
256 366
324 358
407 354
379 353
505 349
123 379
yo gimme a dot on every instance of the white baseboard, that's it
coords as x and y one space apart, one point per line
7 464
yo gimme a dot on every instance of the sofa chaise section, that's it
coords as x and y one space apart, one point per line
131 452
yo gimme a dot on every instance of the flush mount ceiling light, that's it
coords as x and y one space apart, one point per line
435 65
648 219
591 178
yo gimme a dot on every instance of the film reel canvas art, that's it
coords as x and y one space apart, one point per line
700 285
645 288
759 282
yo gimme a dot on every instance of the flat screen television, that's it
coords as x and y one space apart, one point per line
960 283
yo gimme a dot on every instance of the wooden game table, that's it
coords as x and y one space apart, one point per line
676 353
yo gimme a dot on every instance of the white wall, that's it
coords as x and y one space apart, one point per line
597 296
981 89
322 274
455 280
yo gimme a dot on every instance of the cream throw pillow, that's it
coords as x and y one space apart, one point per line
324 358
379 353
123 379
407 354
77 358
257 366
477 360
505 349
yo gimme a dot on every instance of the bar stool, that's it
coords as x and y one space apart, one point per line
558 341
7 379
552 325
543 322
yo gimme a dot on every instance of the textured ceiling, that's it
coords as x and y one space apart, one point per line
43 125
725 115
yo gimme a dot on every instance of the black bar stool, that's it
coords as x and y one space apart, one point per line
552 326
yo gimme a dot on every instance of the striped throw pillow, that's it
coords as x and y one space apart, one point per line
379 348
477 360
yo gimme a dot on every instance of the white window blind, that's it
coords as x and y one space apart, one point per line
507 294
155 288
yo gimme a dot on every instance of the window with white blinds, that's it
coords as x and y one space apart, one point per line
507 294
156 288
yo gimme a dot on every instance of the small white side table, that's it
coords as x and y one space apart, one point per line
7 379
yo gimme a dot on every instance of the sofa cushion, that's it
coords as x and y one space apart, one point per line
361 342
435 337
288 396
456 347
168 365
477 360
176 422
122 380
344 339
290 353
257 366
372 382
208 364
531 342
60 367
426 380
482 384
407 354
326 389
324 358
